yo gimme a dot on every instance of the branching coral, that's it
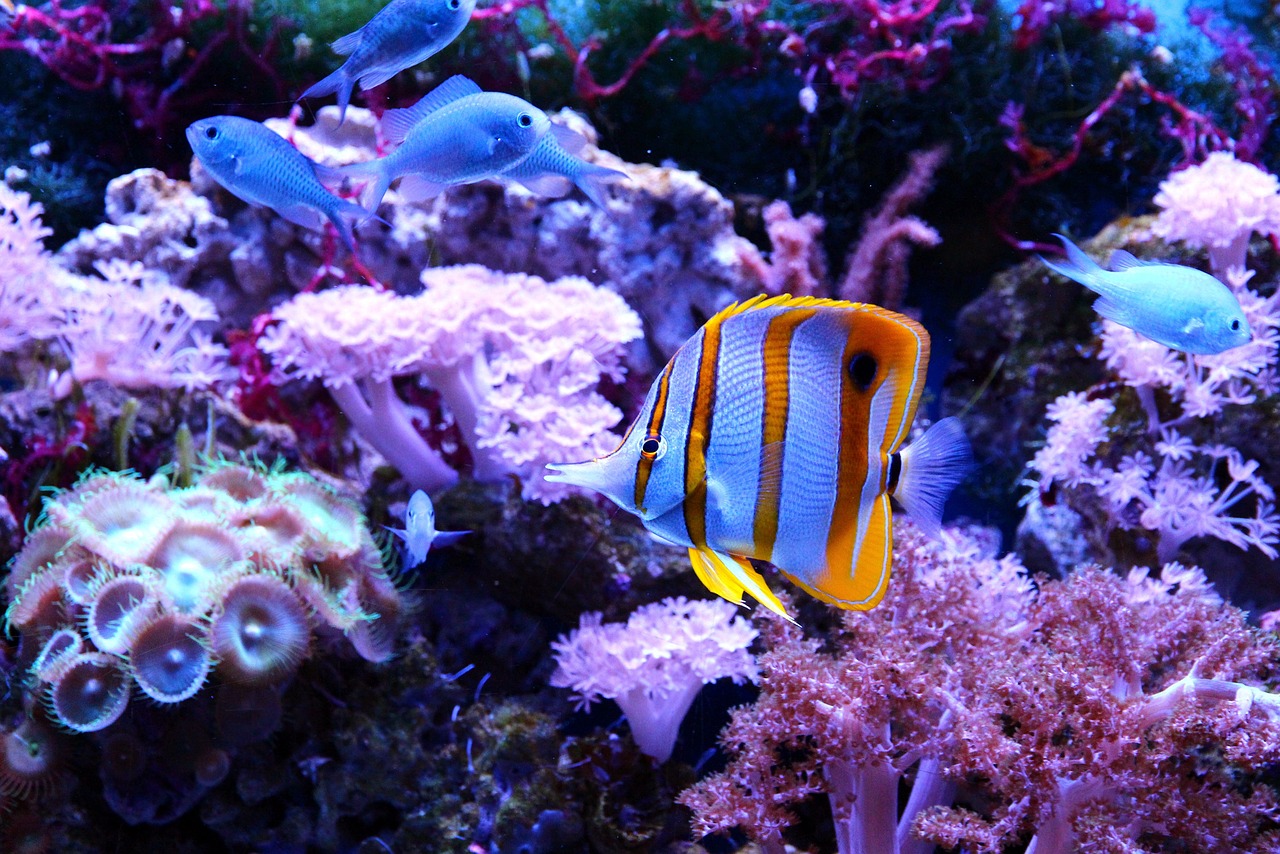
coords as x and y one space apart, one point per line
655 664
130 582
1073 715
517 361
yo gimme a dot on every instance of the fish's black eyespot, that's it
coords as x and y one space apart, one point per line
1235 325
862 370
525 120
211 132
652 447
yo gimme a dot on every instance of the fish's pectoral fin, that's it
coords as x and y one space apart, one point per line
861 585
1193 326
448 538
729 576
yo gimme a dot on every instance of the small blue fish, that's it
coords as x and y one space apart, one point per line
550 170
258 165
459 140
1180 307
403 34
419 532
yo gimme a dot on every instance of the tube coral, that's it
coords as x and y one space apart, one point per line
655 664
517 361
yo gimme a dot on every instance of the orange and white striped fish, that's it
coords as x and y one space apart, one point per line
776 433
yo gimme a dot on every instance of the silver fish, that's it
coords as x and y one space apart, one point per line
550 170
465 139
403 34
1180 307
258 165
419 533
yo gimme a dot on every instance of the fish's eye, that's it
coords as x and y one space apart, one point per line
653 447
453 5
1235 325
862 370
525 120
211 132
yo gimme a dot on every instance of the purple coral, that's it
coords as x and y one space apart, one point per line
1217 206
1074 714
516 359
655 664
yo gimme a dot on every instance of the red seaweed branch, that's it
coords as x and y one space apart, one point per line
1197 133
80 46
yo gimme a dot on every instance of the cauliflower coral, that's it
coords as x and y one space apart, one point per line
1216 206
655 664
517 361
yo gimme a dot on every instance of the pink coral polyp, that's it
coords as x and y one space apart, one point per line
170 659
90 694
262 631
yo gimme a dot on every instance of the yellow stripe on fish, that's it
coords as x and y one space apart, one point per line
775 433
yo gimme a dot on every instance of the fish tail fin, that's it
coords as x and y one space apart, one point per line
592 182
345 215
1078 266
376 179
931 469
339 81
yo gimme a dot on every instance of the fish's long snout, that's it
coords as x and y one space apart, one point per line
575 474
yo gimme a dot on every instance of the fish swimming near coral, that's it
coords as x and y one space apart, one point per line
776 433
402 34
419 533
550 170
1180 307
258 165
462 140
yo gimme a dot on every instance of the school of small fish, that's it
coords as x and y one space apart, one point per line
778 431
457 134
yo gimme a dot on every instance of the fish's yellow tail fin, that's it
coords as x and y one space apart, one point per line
729 576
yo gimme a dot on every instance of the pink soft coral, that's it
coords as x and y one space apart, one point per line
516 359
655 664
1216 206
1073 714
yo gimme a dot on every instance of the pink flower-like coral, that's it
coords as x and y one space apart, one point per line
655 664
517 361
1075 714
1216 206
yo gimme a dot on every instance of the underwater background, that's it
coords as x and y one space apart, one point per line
286 570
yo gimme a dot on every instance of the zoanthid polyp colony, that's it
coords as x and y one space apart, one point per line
225 583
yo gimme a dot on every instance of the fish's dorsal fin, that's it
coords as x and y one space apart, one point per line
764 301
1121 260
346 45
570 140
396 124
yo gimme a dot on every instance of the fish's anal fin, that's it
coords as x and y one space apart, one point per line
552 186
862 585
710 576
303 215
416 188
1114 311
